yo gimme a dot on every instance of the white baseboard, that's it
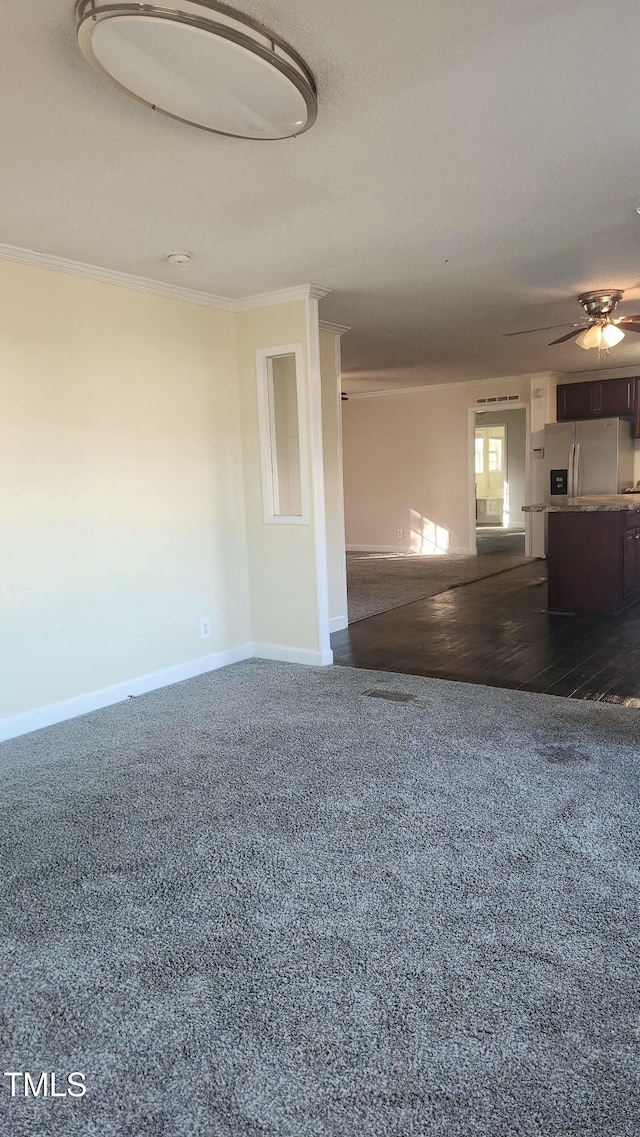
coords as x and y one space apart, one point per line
15 725
48 715
292 654
377 549
401 549
338 623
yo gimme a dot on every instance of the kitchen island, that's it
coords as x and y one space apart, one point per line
593 552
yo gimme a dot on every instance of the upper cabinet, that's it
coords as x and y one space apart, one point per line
600 398
577 400
616 397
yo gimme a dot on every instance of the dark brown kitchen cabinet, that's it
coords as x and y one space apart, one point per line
593 560
600 398
631 563
576 400
616 397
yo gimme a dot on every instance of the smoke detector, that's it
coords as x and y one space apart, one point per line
179 258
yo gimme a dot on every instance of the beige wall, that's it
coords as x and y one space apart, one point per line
122 507
282 557
333 487
406 465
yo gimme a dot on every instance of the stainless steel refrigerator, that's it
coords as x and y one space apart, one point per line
590 457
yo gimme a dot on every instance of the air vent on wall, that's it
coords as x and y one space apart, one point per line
500 399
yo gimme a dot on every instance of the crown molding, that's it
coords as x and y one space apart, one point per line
527 377
280 296
379 394
385 391
159 287
337 329
111 276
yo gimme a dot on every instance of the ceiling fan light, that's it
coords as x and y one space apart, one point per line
612 335
590 337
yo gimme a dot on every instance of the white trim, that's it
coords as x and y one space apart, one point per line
453 551
281 296
472 413
293 654
160 287
338 623
120 279
314 388
15 725
377 549
335 329
265 424
520 380
344 602
427 387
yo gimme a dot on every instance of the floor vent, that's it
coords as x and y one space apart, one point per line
393 696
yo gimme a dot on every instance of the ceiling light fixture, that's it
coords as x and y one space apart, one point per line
612 335
201 62
590 337
602 326
599 334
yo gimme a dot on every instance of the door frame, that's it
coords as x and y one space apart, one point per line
471 468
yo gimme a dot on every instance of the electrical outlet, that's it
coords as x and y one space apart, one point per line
205 628
401 534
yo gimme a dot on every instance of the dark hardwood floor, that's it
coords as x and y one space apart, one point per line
498 632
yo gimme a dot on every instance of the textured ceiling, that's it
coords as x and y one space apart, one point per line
474 166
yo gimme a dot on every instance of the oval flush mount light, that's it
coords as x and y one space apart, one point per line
201 62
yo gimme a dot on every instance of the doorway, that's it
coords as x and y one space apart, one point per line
492 487
500 479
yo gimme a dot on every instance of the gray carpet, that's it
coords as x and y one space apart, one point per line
377 582
494 539
262 903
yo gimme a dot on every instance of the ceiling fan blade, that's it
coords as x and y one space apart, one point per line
568 337
527 331
626 319
631 327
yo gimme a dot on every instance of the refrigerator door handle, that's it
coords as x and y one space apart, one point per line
576 470
570 470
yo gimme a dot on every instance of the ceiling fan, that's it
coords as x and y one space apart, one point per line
599 329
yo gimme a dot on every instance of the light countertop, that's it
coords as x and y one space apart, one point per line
601 503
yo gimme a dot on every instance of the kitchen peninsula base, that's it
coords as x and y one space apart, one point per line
593 554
